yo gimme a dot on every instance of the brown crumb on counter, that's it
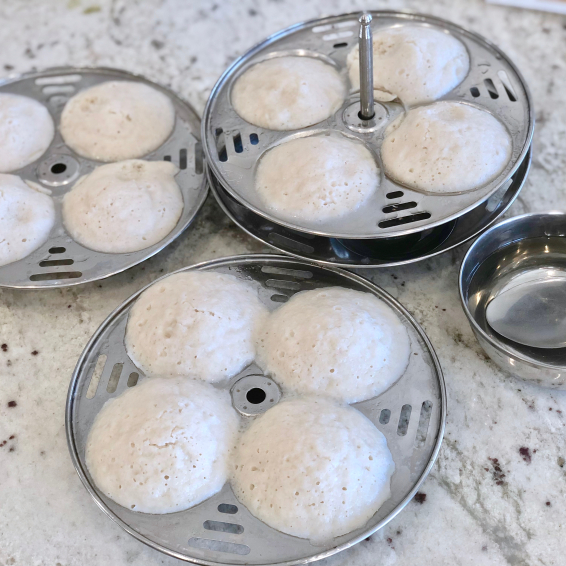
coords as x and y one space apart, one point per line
4 347
420 497
12 404
34 353
526 454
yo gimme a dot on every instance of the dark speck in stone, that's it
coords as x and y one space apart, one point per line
252 12
420 497
8 67
9 363
69 306
526 454
12 437
29 53
561 462
484 548
34 353
368 539
4 347
157 44
548 504
389 540
12 404
12 448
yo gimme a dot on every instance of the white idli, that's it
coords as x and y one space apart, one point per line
26 219
124 207
446 147
163 445
415 63
288 93
313 469
26 130
201 324
337 342
117 120
316 178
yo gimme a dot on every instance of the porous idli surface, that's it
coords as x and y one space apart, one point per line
117 120
312 468
201 324
414 63
27 216
336 342
163 445
446 147
288 93
316 178
26 130
124 207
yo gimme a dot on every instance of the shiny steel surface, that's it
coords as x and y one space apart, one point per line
507 253
400 413
531 308
233 147
368 253
365 42
62 262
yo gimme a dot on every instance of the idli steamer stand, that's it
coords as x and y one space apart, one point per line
399 225
61 261
220 531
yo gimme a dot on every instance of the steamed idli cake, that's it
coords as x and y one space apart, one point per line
417 64
117 120
26 130
288 93
201 324
163 445
446 147
124 207
337 342
26 219
312 468
316 178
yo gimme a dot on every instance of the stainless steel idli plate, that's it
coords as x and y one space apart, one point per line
61 261
233 147
411 414
365 253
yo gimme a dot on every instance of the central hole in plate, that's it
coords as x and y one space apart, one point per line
256 396
58 168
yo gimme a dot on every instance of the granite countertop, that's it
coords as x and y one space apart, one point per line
496 496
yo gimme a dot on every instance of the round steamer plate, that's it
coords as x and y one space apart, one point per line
360 253
411 414
61 261
233 147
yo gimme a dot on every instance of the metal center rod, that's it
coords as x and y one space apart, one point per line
366 68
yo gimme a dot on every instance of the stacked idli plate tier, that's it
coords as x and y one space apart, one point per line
447 152
100 170
256 410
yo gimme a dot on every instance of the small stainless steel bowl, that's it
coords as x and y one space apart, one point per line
516 245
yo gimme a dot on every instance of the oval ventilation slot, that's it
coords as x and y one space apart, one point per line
404 220
219 546
96 375
404 420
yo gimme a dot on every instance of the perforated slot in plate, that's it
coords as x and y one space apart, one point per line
219 546
424 420
114 378
289 243
398 207
227 508
222 527
404 220
55 276
95 377
492 91
404 419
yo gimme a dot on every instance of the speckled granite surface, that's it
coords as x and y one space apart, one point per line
497 495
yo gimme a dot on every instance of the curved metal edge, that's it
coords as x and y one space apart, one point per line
204 186
435 253
321 21
249 258
475 326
